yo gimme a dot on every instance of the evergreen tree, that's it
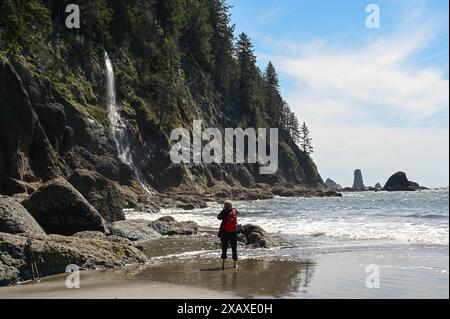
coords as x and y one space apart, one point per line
285 111
272 94
247 73
295 130
171 16
198 33
305 140
222 44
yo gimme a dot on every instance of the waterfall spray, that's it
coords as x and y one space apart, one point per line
118 127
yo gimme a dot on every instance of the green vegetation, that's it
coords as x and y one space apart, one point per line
168 55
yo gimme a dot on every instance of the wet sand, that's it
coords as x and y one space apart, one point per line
189 268
196 279
186 268
108 285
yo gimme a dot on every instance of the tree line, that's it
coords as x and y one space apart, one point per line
169 35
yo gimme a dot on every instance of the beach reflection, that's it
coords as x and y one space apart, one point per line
254 278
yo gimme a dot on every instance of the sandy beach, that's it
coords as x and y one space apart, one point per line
189 268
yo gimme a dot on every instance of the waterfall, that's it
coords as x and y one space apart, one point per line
118 127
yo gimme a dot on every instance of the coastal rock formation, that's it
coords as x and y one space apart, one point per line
15 219
13 186
101 236
52 254
51 125
378 186
133 230
399 182
358 182
169 226
60 209
303 192
332 185
256 237
100 192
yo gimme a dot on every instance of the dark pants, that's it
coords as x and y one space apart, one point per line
230 239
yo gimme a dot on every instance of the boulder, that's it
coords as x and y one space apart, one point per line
133 230
168 226
332 185
358 182
8 274
13 186
399 182
60 209
15 219
256 237
89 234
52 254
378 186
102 193
101 236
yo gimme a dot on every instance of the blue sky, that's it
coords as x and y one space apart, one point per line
375 99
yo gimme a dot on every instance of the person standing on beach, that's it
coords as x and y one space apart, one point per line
228 232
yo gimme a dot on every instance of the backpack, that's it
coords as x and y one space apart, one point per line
231 222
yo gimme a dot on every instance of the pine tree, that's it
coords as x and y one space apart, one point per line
198 33
222 44
305 140
295 130
247 73
272 94
285 112
171 16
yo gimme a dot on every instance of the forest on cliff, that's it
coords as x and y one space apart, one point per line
175 61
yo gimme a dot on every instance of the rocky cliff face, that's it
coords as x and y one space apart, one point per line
53 116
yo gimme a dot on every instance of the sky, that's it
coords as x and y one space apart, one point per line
376 99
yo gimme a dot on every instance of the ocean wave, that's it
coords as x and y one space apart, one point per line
359 216
431 216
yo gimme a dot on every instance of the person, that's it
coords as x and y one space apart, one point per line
228 232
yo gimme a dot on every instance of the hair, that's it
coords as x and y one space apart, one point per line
228 205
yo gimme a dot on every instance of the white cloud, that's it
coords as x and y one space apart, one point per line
352 98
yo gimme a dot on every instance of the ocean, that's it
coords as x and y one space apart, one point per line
363 245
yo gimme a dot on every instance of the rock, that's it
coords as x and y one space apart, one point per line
222 195
133 230
101 236
186 200
15 219
60 209
105 195
52 254
256 237
186 206
332 185
89 234
20 197
169 226
378 186
241 238
399 182
13 186
358 182
26 151
8 274
247 229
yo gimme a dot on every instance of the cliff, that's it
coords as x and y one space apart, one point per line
171 67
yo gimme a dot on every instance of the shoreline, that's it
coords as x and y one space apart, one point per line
188 267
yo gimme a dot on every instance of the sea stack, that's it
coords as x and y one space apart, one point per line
399 182
358 182
378 186
332 185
